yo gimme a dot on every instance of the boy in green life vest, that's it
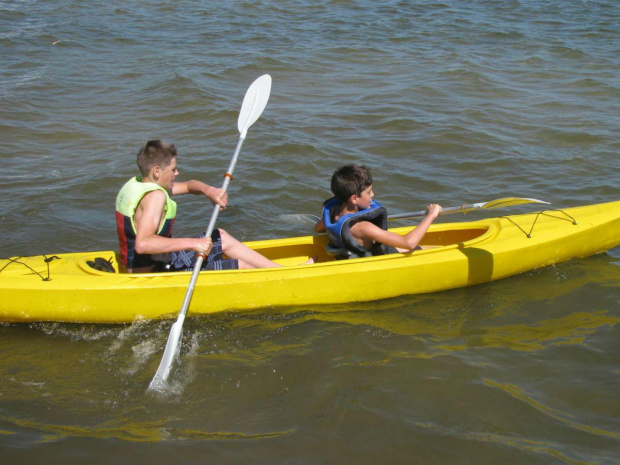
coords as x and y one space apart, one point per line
145 216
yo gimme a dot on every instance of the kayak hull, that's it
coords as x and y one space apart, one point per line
65 288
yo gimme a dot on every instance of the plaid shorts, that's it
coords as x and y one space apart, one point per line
186 259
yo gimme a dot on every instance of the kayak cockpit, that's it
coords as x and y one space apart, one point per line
295 250
439 238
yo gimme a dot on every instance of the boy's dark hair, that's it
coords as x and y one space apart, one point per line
350 180
155 153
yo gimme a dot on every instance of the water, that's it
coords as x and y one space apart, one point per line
448 102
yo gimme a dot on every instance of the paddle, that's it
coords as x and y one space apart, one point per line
498 203
505 202
252 107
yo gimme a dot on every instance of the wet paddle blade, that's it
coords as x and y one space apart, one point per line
172 349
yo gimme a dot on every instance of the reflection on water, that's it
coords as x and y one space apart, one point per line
564 418
572 329
126 430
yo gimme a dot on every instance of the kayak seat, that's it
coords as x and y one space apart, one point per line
339 253
101 264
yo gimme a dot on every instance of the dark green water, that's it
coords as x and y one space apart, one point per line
448 102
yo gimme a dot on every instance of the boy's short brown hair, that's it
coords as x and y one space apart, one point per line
350 180
155 153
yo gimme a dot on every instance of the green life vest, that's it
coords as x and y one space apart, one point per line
127 202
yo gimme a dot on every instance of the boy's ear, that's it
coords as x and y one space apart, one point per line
156 172
354 199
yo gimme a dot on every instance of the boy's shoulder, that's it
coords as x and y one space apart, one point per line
156 199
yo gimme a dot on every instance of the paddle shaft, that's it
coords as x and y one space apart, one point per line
172 346
460 208
503 202
216 211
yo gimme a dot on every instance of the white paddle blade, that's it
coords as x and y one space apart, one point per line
254 103
172 349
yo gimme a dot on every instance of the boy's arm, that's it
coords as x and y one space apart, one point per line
216 195
320 227
365 230
148 218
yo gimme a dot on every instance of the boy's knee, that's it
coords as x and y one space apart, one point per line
225 238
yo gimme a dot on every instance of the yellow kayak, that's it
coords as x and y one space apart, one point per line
64 287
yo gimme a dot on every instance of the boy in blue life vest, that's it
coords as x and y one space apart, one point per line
357 225
145 215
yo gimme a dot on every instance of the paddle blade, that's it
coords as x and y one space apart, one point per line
254 103
172 349
296 218
510 202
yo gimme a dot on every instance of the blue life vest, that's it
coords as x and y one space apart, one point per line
342 244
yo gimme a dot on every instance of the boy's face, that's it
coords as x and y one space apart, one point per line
363 200
168 174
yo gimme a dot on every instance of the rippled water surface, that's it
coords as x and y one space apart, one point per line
447 102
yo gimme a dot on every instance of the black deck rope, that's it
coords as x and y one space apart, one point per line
547 213
568 217
46 259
